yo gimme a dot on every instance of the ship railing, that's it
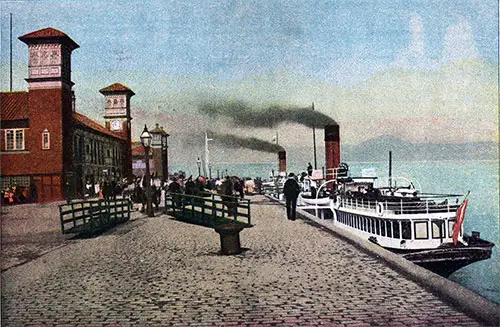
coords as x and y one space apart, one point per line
336 173
428 203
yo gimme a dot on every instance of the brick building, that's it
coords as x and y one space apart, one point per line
45 142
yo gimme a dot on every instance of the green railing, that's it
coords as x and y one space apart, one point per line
93 216
208 209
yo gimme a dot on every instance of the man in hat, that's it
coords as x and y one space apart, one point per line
291 190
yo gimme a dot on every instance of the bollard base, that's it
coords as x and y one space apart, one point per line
229 238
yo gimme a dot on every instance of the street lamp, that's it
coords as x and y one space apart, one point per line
164 151
198 162
146 143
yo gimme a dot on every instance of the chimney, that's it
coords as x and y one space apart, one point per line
282 161
332 149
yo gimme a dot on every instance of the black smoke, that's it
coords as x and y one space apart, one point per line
243 114
233 141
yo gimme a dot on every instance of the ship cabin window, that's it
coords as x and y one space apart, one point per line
364 224
377 226
451 224
421 230
437 229
395 229
382 227
406 230
389 228
372 225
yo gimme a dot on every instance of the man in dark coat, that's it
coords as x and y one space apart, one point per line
291 190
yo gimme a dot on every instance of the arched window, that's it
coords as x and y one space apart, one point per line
45 139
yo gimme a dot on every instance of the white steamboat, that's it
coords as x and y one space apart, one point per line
402 219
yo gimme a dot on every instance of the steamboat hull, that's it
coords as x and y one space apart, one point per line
446 260
443 260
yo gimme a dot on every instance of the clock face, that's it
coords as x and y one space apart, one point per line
116 125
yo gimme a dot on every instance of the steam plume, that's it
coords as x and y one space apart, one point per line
252 143
243 114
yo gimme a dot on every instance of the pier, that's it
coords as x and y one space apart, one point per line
157 271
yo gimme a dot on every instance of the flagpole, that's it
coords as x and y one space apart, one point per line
10 52
314 143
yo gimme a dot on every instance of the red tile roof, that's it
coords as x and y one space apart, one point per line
47 34
117 87
85 121
13 105
138 150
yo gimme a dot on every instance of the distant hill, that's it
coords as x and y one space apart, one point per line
377 149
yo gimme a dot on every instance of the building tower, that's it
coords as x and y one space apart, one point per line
160 155
117 119
50 108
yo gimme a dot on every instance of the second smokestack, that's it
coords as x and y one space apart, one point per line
332 149
282 161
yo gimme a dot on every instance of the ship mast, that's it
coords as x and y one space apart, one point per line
207 155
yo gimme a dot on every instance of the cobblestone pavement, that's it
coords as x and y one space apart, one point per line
161 272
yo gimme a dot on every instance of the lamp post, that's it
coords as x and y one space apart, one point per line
164 151
146 143
198 162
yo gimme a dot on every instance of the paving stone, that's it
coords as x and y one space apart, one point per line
169 273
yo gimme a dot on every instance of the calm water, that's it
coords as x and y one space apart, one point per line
457 177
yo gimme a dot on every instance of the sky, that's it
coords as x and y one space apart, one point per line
422 71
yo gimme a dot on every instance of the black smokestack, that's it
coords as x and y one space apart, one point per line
243 114
252 143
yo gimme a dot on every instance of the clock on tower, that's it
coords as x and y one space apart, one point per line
116 125
117 108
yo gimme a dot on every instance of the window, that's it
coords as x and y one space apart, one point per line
437 229
406 230
451 224
421 231
389 229
395 229
14 139
382 227
45 139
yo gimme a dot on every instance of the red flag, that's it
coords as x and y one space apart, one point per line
459 219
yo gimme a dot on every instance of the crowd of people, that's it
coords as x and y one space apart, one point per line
17 194
230 186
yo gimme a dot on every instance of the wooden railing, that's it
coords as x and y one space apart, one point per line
93 216
209 210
